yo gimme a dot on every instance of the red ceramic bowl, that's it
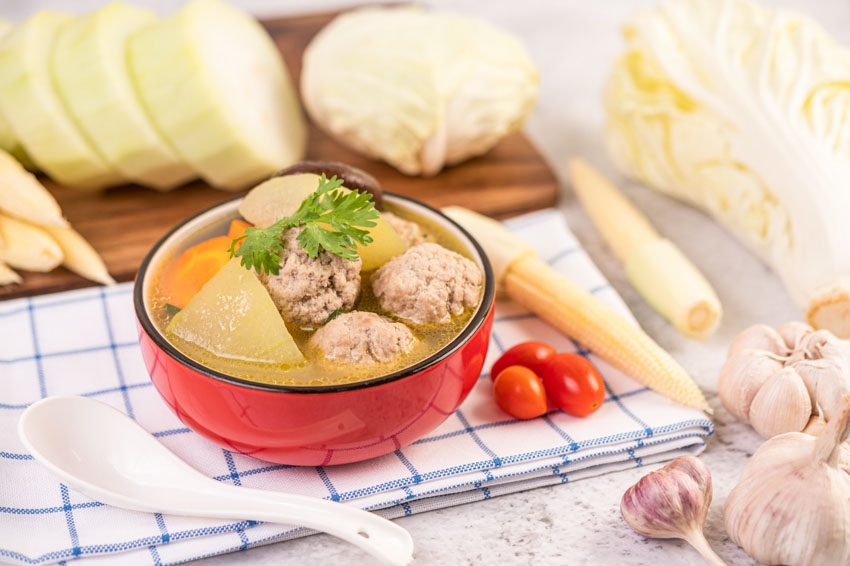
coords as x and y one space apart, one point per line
302 425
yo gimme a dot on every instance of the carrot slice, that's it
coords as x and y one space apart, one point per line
237 230
193 268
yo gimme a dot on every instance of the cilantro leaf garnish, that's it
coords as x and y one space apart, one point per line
333 220
334 314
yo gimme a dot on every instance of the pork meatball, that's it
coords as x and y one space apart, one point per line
427 284
307 290
363 338
410 232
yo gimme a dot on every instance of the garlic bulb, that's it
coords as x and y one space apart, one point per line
672 503
792 505
774 379
417 88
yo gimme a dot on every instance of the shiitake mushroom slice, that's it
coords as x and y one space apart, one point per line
352 177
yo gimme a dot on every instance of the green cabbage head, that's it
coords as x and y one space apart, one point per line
419 89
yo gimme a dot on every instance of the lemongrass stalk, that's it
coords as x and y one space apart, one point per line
657 269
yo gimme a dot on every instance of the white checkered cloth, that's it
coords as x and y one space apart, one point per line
84 342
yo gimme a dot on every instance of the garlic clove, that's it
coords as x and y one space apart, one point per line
669 501
781 405
672 502
815 425
741 377
824 365
794 331
759 337
825 384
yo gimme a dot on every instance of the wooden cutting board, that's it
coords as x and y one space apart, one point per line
123 223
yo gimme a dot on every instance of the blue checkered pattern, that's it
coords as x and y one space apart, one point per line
84 342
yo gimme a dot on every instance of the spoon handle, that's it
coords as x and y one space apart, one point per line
379 537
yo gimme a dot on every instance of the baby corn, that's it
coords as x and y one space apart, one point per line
34 236
21 195
28 247
8 275
80 256
533 284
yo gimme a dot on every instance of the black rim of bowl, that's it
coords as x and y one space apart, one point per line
468 331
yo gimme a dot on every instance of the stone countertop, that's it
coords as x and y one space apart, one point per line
574 43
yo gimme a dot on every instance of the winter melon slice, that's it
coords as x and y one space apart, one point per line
91 75
224 99
385 245
233 317
7 136
277 198
8 142
280 197
33 109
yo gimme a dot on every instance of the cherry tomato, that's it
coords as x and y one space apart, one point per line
519 393
533 355
573 384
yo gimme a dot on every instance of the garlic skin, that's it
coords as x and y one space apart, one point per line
672 502
792 504
775 379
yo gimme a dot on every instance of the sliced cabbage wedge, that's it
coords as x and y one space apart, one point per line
91 75
33 109
233 317
223 100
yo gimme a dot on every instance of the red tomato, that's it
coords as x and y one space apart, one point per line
519 393
533 355
574 384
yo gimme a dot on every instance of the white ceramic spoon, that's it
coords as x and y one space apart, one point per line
104 454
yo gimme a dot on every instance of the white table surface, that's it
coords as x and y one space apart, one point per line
573 43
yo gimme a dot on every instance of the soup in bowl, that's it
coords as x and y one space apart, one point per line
340 345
